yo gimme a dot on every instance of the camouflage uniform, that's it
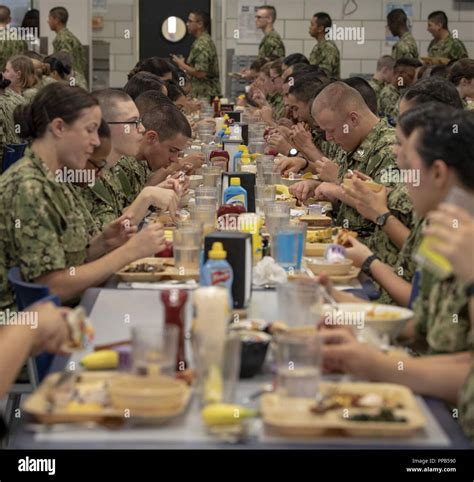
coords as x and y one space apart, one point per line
400 205
405 48
449 48
8 102
377 85
388 101
466 405
9 48
203 57
326 55
330 150
45 225
28 94
405 265
277 104
66 40
374 157
441 314
132 175
44 81
468 105
271 45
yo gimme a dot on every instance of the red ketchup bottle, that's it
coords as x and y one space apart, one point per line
219 158
174 301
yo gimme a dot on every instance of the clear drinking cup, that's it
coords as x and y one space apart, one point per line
205 216
186 247
277 215
264 193
287 246
154 349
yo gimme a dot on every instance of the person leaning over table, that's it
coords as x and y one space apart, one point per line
46 229
405 47
461 74
122 183
449 377
443 45
404 73
383 74
443 159
325 53
367 140
202 64
268 95
271 45
167 132
143 81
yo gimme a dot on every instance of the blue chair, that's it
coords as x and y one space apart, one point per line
27 294
11 154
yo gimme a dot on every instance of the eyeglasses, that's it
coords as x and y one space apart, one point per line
99 166
137 122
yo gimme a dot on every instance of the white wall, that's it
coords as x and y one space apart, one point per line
293 17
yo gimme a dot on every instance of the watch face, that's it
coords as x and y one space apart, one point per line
293 151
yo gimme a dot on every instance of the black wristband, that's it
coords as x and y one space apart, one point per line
469 289
365 268
305 166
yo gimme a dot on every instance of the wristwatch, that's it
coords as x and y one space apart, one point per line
469 289
293 152
382 219
365 268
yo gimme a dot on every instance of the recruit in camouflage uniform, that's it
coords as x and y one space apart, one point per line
377 85
271 45
330 150
466 407
132 175
405 266
374 157
66 40
388 102
9 48
400 205
405 48
9 100
449 48
276 102
203 58
441 314
325 55
45 225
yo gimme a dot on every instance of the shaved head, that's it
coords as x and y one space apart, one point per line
339 97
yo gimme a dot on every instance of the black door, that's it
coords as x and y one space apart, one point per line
153 13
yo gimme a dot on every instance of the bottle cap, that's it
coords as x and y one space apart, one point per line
235 181
217 251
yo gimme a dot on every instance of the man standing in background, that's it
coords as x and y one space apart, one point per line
271 45
202 64
397 23
66 40
325 53
9 48
443 43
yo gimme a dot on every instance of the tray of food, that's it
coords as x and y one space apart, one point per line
74 397
317 240
149 270
347 409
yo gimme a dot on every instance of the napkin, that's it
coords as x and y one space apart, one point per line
267 271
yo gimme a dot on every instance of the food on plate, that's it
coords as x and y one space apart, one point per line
101 360
373 186
384 415
374 314
81 329
317 221
144 268
342 236
337 267
319 235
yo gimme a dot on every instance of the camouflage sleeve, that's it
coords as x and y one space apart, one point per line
459 50
38 239
201 59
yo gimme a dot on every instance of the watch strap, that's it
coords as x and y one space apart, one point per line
365 268
383 217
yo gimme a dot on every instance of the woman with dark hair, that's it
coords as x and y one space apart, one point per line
462 76
57 235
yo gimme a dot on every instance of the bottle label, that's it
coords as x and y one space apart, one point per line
220 277
238 199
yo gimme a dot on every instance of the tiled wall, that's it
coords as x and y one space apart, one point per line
292 24
293 17
121 15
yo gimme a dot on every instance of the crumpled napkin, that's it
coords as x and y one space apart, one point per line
267 271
